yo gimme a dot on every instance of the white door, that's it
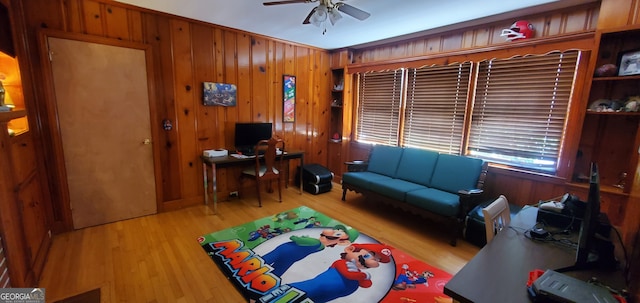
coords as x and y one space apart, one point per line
103 109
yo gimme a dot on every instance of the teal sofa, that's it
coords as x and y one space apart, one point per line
424 182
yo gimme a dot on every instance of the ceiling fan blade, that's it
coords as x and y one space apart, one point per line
306 20
352 11
287 2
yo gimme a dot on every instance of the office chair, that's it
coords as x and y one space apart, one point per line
496 217
267 166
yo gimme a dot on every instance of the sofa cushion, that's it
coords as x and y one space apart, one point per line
453 173
416 165
362 178
394 188
436 201
384 160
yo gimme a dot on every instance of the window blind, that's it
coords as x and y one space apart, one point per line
435 107
379 104
520 109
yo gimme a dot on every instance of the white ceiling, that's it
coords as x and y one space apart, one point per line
389 18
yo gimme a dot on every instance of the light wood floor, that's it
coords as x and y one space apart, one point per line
157 258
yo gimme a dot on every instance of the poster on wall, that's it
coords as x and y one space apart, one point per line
220 94
289 93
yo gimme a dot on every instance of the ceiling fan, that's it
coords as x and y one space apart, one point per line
326 10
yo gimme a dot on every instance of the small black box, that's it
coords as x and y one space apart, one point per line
559 220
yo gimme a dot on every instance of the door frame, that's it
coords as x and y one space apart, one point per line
63 220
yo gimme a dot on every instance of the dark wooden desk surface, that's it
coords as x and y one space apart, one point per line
225 161
231 160
500 271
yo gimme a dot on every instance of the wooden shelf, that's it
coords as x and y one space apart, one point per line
617 78
14 114
603 188
590 112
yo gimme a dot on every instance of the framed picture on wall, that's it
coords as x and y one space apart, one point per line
289 98
629 63
220 94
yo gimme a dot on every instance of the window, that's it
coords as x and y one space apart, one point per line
517 117
520 108
435 109
379 107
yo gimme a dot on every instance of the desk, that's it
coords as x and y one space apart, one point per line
227 161
500 271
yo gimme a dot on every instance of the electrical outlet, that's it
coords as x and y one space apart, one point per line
233 194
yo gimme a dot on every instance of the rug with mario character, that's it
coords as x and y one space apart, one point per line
304 256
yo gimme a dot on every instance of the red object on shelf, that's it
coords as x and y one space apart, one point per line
534 275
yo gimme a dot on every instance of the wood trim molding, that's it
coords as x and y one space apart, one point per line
582 41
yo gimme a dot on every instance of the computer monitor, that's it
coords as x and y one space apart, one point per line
248 134
585 253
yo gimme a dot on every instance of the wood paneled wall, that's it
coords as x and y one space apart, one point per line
186 54
548 25
618 13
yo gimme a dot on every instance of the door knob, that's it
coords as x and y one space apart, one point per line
146 141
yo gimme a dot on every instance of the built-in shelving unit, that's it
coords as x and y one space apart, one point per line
25 228
337 105
335 124
610 136
610 132
339 124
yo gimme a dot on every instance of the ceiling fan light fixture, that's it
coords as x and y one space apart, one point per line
319 16
334 16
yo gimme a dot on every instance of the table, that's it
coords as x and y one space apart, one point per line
500 271
226 161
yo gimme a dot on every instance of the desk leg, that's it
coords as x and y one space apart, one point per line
206 183
206 186
287 176
214 180
301 166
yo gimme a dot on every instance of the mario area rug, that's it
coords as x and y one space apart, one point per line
304 256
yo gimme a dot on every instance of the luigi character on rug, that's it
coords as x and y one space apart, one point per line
284 256
346 275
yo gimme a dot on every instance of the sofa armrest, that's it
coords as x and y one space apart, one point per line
470 192
469 198
357 165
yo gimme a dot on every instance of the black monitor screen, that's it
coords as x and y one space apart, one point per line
590 220
585 257
248 134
